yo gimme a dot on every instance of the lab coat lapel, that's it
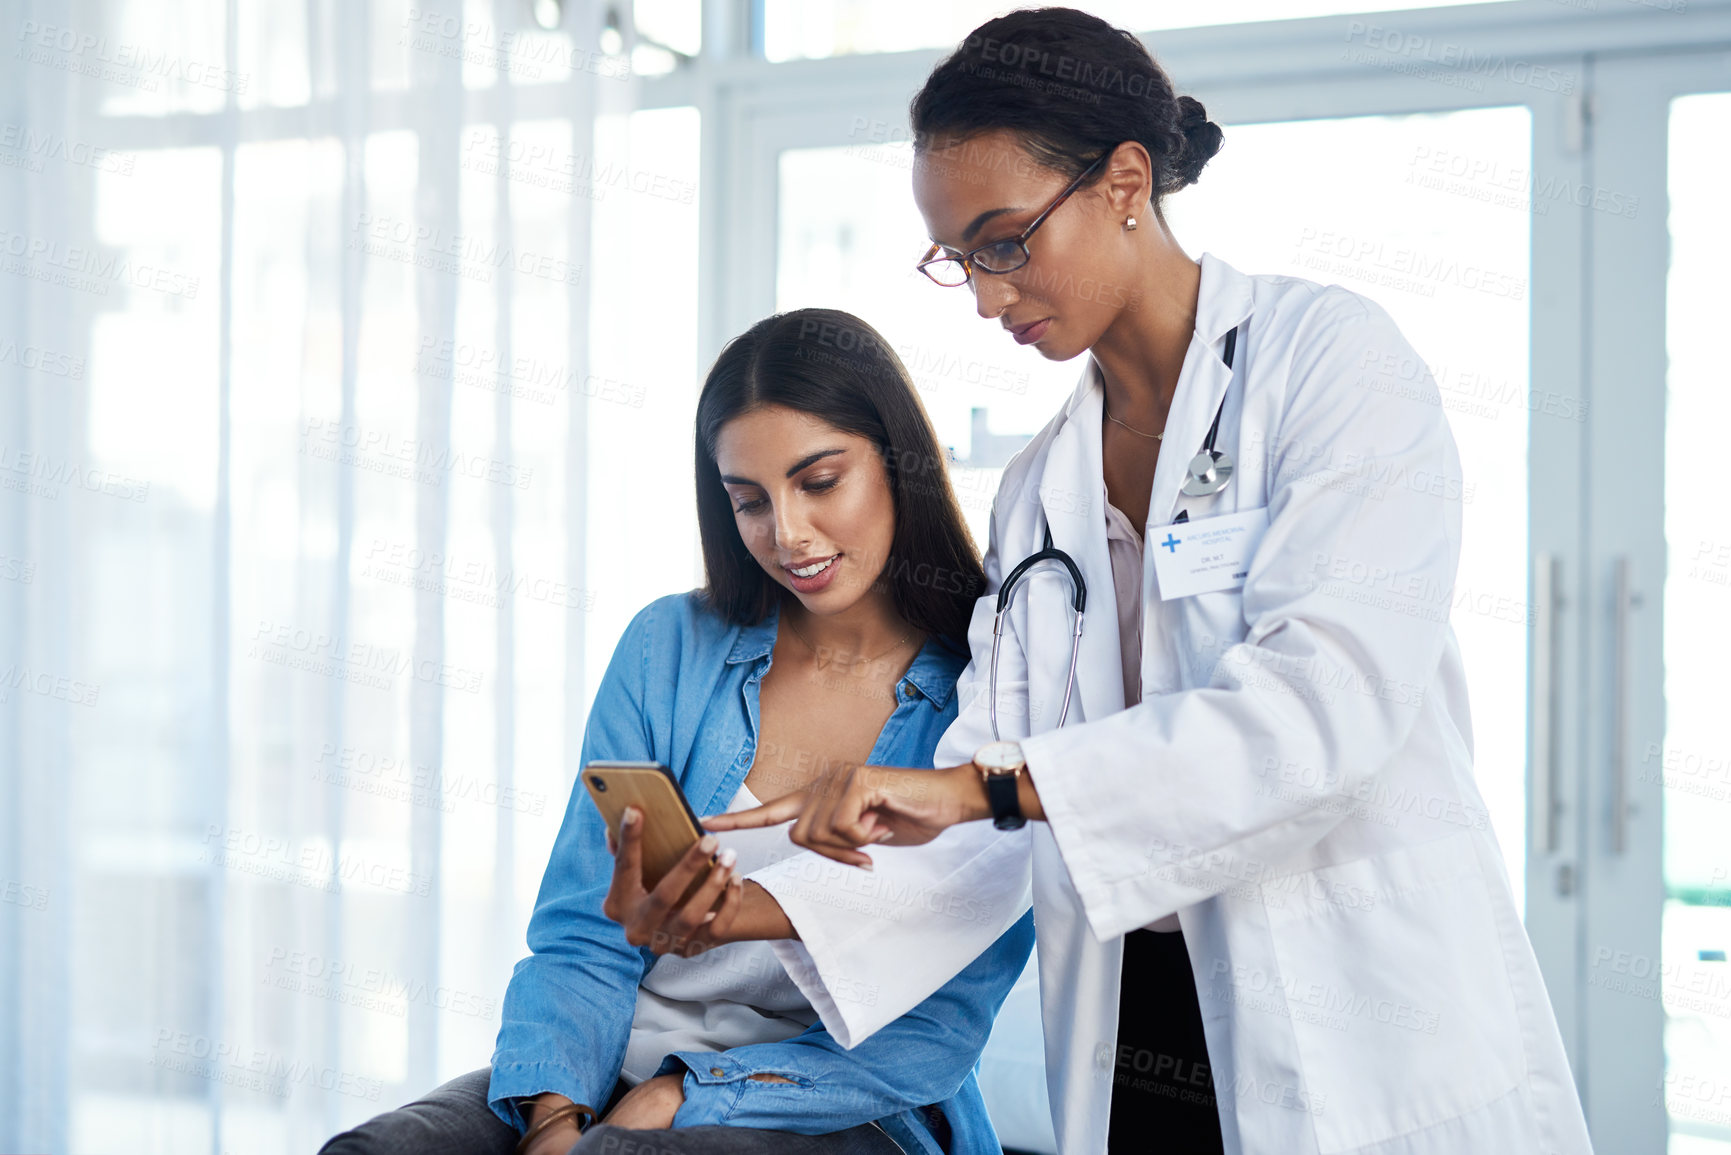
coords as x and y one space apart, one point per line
1078 974
1222 301
1071 492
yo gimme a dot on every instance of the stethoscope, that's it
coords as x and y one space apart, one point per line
1209 472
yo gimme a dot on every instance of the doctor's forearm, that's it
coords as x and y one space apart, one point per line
970 791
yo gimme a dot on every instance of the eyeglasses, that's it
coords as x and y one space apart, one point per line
1004 256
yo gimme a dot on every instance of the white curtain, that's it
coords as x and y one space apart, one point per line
302 353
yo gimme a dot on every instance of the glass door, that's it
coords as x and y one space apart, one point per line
1657 997
1693 762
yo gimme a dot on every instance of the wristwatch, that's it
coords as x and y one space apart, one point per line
1000 764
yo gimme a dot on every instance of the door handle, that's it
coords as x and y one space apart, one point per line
1624 601
1546 602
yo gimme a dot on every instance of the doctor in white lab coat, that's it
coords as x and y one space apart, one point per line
1295 786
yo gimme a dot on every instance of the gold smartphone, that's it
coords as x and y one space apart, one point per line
670 826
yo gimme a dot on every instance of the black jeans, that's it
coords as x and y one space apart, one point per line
455 1120
1163 1087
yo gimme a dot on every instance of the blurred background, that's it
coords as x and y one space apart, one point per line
348 355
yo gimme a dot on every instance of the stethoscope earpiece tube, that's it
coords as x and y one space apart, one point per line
1007 591
1079 601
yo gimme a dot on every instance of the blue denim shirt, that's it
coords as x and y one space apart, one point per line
682 690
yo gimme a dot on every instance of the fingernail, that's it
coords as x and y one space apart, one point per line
630 818
708 843
710 917
866 865
728 857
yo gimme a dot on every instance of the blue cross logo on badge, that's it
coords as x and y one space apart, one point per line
1172 543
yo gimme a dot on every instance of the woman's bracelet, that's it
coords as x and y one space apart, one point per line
557 1114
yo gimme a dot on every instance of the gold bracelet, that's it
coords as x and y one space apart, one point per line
557 1114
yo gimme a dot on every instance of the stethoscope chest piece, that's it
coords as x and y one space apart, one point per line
1210 471
1207 474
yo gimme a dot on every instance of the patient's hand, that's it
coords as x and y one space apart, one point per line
650 1105
657 918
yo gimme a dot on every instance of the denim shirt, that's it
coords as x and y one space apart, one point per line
682 690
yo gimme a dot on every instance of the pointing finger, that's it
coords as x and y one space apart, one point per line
782 809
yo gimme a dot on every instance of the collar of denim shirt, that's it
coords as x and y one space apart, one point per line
932 674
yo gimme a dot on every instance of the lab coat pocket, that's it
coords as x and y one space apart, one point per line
1393 978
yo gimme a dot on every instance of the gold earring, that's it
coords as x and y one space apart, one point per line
1129 224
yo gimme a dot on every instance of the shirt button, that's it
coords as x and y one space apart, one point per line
908 690
717 1072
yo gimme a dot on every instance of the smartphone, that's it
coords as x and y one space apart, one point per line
669 824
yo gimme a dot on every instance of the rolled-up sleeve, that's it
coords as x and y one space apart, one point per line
874 944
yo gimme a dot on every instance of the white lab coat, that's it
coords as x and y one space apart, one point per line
1296 783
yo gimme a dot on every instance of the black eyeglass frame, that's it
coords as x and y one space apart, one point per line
967 261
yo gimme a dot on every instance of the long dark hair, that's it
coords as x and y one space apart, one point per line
1072 88
837 368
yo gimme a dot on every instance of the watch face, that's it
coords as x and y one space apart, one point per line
999 757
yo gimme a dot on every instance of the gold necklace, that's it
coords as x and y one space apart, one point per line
820 657
1131 428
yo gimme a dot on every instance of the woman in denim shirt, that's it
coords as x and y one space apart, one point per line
824 506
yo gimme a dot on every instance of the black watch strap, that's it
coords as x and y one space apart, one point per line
1006 807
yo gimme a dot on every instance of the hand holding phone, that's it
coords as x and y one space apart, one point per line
671 891
689 911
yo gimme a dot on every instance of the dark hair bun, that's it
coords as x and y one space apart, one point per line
1202 139
1071 88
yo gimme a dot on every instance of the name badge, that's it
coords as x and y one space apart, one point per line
1200 557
